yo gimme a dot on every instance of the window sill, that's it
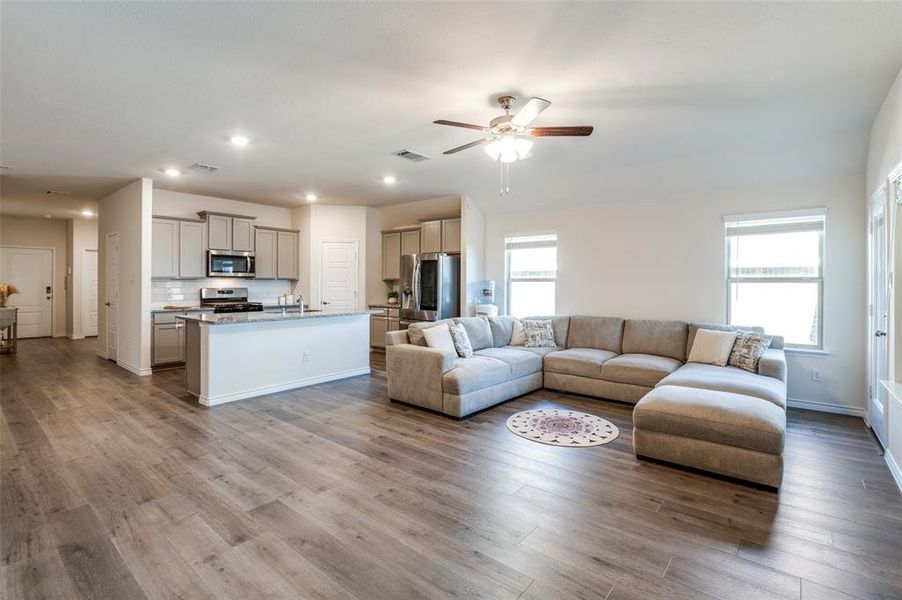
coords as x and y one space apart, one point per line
808 352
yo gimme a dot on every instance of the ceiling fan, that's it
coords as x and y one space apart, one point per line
508 135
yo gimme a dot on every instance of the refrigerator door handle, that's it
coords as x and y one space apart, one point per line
416 285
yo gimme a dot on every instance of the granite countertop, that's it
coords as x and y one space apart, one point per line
262 317
160 309
385 305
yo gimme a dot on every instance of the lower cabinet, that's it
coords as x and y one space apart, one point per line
378 328
167 339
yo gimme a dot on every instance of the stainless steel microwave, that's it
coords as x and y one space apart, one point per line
230 263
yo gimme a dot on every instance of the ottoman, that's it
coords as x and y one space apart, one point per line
721 432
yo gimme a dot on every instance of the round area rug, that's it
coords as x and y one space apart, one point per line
562 427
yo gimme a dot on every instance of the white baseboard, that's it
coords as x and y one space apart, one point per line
824 407
894 468
134 369
281 387
75 337
101 354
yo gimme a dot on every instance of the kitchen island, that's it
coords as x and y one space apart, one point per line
235 356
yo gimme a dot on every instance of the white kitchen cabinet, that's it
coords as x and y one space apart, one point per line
242 234
219 232
410 242
192 250
450 235
287 249
267 253
164 248
391 255
431 237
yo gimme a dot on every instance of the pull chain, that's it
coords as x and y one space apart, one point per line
505 180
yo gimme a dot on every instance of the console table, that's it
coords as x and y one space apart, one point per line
9 330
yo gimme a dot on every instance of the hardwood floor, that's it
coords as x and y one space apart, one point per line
117 486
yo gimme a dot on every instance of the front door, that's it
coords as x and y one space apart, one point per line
112 296
89 294
31 271
877 315
338 276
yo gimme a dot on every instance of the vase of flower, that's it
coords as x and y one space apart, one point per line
6 290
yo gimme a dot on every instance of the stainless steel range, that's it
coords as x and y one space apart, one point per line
228 300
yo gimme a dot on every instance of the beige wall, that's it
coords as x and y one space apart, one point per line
665 259
127 212
81 234
177 204
885 146
42 233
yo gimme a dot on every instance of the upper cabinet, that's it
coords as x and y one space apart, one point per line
277 252
177 249
391 255
410 242
164 248
229 232
242 234
287 243
431 237
451 235
442 235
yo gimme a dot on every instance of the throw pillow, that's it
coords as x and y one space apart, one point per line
748 350
539 334
518 334
461 340
416 337
439 337
712 347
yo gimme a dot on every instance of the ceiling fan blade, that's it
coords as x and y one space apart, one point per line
467 146
529 112
561 131
459 124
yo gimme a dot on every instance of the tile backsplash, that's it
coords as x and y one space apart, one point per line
187 291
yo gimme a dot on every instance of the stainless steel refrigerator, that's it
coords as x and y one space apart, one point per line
430 287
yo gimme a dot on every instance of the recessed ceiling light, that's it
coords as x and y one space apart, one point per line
47 216
311 197
173 172
389 179
87 213
239 140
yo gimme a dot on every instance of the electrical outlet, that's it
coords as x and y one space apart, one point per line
306 357
816 375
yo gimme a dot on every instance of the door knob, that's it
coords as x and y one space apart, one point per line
107 304
879 333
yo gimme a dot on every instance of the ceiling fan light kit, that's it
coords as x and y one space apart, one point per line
508 135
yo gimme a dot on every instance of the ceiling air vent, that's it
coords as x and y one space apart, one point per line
55 193
411 155
202 168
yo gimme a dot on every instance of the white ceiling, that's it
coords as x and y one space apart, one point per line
684 97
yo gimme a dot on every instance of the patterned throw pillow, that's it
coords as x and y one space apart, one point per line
461 341
747 350
539 334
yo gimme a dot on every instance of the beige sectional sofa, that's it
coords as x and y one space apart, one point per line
720 419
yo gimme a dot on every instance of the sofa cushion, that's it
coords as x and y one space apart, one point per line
542 352
639 369
728 379
474 373
560 325
415 330
713 416
662 338
521 363
478 331
585 362
502 329
601 333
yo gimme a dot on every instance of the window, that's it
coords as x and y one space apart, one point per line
775 274
531 270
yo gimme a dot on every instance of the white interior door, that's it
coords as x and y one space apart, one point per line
89 297
31 271
877 316
112 296
338 276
